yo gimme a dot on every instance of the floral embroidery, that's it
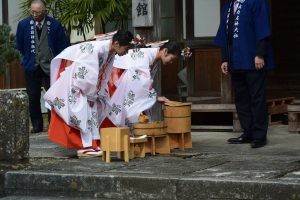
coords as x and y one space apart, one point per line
75 121
116 109
137 54
86 48
72 97
137 75
59 103
152 94
93 121
127 122
81 72
129 100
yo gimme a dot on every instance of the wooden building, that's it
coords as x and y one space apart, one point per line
194 23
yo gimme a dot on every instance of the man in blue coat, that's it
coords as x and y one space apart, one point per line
244 37
39 38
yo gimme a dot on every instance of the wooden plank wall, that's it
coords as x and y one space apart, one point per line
14 77
170 80
207 72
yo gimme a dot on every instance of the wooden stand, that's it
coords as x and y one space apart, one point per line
158 144
158 140
278 106
178 118
230 108
115 140
137 147
293 113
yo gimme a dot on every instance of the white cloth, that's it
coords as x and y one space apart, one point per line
69 94
134 93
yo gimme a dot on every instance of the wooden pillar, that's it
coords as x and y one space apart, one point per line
152 33
4 11
226 89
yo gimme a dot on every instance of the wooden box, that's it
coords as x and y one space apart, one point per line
115 140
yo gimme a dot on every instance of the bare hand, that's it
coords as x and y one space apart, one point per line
162 99
259 62
224 68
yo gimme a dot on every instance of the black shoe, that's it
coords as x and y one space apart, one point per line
36 130
238 140
258 143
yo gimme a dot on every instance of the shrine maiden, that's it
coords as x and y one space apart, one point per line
134 91
78 93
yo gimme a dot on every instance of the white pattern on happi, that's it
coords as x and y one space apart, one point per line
69 94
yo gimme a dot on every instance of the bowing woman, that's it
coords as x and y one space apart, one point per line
131 83
78 92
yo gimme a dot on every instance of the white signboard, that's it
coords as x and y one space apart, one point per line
142 13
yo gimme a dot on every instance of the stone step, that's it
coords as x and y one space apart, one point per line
141 186
44 198
212 169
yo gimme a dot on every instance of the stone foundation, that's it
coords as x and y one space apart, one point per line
14 125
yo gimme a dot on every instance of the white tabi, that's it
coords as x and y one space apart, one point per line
70 93
134 93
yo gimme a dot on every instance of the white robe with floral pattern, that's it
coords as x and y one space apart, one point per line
134 93
70 93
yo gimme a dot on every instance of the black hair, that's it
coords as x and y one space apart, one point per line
124 37
172 47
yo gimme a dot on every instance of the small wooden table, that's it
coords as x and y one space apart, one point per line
158 139
115 140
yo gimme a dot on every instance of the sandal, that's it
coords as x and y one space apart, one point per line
89 152
138 137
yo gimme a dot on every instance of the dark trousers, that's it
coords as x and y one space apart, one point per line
250 101
34 81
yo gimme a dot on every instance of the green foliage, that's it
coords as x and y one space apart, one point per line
8 52
81 15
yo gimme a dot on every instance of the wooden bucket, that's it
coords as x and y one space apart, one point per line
150 128
177 116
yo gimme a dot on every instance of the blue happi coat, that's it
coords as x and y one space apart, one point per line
251 24
25 39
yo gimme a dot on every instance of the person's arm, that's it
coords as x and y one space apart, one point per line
20 38
224 59
261 52
262 47
61 36
224 55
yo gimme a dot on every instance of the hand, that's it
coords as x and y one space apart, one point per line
224 68
259 62
162 99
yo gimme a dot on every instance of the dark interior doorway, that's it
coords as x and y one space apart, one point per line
285 20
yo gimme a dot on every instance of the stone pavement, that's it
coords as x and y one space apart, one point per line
212 169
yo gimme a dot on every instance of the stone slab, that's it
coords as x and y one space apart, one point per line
14 125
